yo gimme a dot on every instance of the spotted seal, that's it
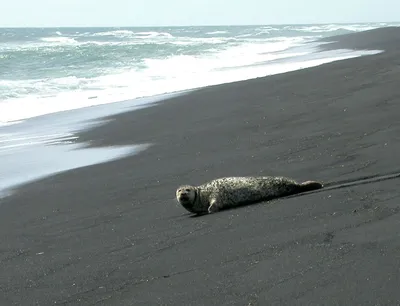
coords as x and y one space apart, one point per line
229 192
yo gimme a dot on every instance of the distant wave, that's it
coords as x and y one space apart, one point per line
216 32
51 42
118 33
128 37
59 40
153 34
332 28
133 34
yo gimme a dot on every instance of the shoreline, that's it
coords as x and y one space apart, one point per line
113 233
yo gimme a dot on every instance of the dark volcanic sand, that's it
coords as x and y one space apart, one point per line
112 234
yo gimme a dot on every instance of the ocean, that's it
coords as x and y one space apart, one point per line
47 71
54 69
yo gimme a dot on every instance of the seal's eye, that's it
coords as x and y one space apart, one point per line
187 190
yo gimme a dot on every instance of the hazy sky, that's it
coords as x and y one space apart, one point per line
192 12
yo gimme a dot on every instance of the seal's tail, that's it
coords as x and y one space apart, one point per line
310 185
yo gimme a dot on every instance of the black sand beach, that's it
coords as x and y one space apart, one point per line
112 234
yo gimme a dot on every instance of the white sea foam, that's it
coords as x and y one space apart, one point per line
59 40
117 33
161 76
133 34
216 32
153 34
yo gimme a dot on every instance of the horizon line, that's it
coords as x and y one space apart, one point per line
199 25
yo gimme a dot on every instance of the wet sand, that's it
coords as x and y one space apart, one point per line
112 234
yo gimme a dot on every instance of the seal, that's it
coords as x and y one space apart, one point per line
228 192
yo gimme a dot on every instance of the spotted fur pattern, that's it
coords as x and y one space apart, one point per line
229 192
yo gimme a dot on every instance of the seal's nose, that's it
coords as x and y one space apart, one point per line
183 196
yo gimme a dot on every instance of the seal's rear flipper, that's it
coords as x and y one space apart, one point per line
310 185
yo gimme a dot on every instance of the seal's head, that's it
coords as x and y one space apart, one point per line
186 196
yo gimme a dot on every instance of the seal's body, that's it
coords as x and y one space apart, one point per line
229 192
